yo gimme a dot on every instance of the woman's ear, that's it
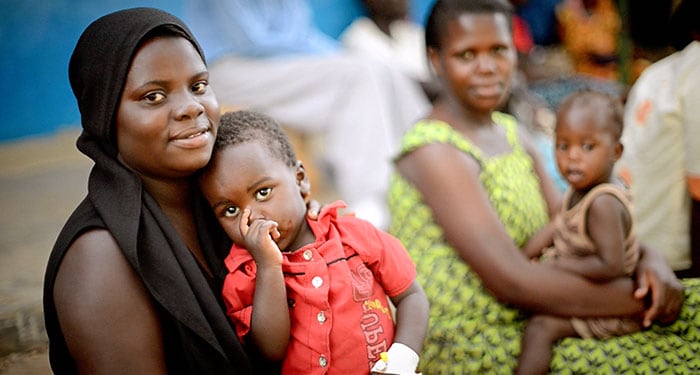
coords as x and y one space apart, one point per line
434 58
303 181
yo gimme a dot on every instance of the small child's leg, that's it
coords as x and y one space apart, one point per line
541 332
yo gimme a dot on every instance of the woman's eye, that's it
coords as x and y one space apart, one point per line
230 211
262 194
500 50
199 87
468 55
154 97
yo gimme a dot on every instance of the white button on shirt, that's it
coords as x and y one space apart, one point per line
308 255
317 281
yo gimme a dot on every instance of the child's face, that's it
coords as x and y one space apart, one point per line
585 151
477 60
247 176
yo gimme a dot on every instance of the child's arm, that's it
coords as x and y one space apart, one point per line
607 222
412 314
539 241
270 317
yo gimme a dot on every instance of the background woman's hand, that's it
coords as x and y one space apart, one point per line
657 283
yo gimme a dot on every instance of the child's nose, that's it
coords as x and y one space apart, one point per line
575 153
255 213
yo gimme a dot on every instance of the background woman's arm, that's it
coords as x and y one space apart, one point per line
449 183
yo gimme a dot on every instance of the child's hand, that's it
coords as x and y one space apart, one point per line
399 360
313 208
260 236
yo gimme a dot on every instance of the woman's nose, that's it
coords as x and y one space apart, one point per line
188 106
485 63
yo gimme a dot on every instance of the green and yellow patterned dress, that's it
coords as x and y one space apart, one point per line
470 331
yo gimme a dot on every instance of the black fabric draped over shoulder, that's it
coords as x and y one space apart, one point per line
198 337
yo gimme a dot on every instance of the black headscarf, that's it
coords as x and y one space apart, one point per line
198 337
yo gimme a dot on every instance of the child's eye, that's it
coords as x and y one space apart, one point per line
263 194
230 211
588 146
562 146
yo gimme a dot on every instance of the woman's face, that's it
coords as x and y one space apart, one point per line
168 115
476 60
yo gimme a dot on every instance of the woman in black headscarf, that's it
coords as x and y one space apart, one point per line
132 284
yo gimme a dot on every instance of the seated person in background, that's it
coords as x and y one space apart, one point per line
589 30
469 191
594 233
310 293
267 55
662 147
388 34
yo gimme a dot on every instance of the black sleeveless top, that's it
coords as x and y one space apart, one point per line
197 335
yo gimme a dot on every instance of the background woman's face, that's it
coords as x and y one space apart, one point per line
477 59
168 115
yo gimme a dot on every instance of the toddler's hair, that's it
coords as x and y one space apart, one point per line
243 126
598 101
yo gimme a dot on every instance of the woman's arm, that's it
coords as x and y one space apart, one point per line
449 183
108 320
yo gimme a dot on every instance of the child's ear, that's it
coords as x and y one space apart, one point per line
303 180
619 148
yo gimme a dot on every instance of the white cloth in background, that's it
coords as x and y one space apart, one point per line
267 55
662 151
404 50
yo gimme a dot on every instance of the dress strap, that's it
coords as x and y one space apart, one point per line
431 131
616 191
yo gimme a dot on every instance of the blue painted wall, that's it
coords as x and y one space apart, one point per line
38 36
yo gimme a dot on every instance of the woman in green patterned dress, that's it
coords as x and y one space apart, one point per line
470 190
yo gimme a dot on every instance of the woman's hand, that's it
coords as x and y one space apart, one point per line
657 283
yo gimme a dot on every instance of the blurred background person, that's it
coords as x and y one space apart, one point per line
387 33
269 56
662 147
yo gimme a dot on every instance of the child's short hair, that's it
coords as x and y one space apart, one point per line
243 126
597 100
444 11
